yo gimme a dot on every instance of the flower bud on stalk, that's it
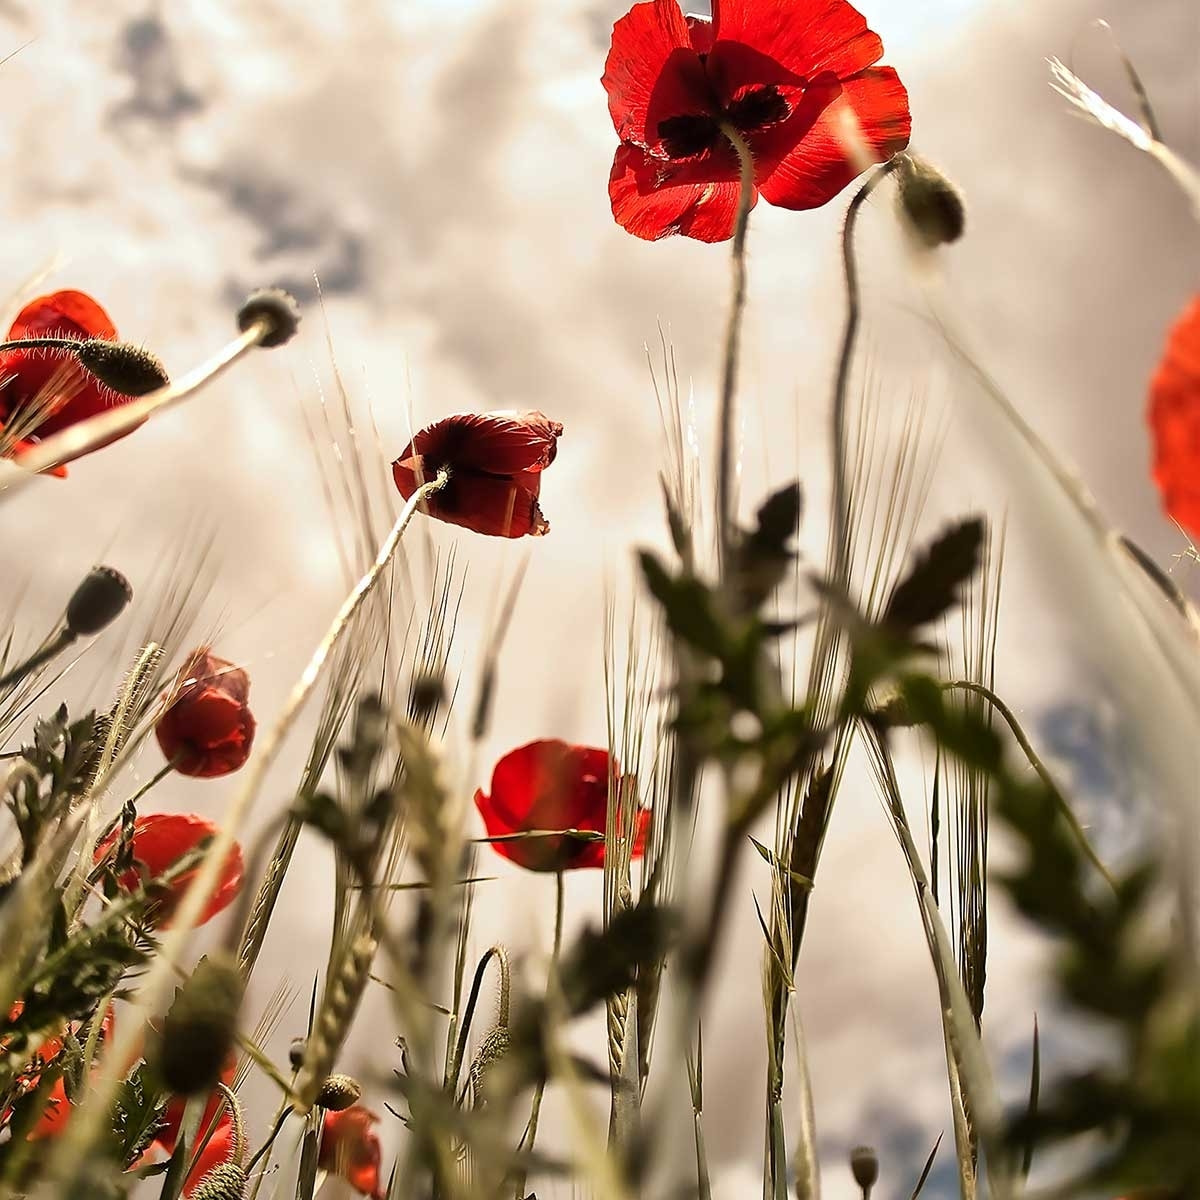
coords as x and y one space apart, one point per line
98 601
128 369
200 1028
226 1182
932 205
864 1164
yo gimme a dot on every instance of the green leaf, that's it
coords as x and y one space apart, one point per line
687 605
931 586
772 858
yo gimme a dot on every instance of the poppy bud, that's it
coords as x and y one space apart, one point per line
128 369
274 306
207 729
98 601
338 1093
493 1049
864 1164
200 1027
932 205
296 1053
226 1182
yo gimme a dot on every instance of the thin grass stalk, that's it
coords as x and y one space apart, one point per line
86 1123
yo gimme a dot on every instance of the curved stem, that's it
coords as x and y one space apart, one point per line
733 337
239 1126
56 645
1064 808
87 1123
91 434
502 1013
840 501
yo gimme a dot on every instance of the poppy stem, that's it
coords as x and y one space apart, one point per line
49 649
840 501
733 338
97 431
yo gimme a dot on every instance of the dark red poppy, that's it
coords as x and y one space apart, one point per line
1174 417
549 785
161 840
45 391
787 75
207 728
350 1148
495 462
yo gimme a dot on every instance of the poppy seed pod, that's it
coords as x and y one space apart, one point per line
275 307
931 204
226 1182
864 1165
128 369
338 1093
97 601
200 1028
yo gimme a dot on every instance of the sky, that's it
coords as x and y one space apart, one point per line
441 168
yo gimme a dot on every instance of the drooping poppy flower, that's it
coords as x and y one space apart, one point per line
550 785
788 76
159 841
207 729
45 391
1174 417
350 1148
495 463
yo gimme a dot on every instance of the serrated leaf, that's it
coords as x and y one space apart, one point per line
931 586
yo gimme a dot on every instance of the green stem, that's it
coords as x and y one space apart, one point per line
55 645
535 1108
733 337
1064 808
841 511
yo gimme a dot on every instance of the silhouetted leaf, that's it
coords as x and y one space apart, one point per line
931 586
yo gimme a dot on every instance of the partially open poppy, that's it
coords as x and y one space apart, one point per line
207 729
160 840
44 391
495 463
350 1148
784 75
550 785
1174 417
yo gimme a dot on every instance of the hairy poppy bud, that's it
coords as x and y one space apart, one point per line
275 307
864 1164
98 601
493 1049
128 369
200 1028
930 202
338 1093
226 1182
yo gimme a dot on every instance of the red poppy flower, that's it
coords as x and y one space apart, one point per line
45 391
786 74
552 785
495 462
350 1148
57 1112
167 1133
218 1150
207 728
1174 417
161 840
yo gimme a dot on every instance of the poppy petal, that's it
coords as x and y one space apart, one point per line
652 71
654 198
495 507
63 314
497 443
821 163
1174 417
806 39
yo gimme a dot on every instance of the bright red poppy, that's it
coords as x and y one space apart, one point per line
1174 417
221 1148
207 729
161 840
350 1148
45 391
549 785
495 462
787 75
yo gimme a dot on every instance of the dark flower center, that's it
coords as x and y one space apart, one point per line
690 134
